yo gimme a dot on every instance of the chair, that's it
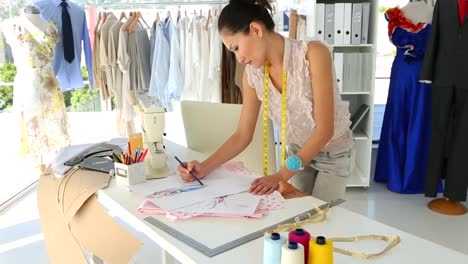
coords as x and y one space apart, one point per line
209 125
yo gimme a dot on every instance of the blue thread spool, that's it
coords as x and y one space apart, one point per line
272 248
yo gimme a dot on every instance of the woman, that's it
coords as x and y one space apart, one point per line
317 121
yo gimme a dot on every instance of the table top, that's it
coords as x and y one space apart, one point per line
340 223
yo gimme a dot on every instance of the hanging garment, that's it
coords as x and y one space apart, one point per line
98 82
127 114
446 65
196 59
143 60
104 65
160 68
69 74
174 82
187 93
116 80
36 96
182 42
404 141
204 87
214 70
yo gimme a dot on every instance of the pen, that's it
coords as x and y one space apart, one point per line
191 173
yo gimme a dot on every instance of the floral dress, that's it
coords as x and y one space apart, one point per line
37 98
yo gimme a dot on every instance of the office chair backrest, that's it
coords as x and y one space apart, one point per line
209 125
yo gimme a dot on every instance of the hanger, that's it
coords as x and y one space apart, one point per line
134 19
142 19
98 22
178 15
158 18
208 19
106 15
122 16
216 12
201 13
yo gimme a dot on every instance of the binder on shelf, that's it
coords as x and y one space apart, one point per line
357 117
356 27
365 23
329 23
338 61
339 24
348 10
347 64
320 22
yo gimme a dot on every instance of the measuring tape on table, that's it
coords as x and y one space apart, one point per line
265 118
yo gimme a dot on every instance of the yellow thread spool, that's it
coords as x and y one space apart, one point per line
320 251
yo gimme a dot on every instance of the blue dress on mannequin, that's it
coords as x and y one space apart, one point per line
406 129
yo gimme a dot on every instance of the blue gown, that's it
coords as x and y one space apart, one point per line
406 130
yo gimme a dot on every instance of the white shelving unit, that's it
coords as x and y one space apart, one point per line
358 90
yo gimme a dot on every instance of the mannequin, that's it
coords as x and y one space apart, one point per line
33 15
402 153
446 67
37 98
418 12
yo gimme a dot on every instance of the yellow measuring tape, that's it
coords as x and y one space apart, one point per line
321 216
265 118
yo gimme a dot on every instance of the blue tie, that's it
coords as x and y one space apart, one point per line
67 34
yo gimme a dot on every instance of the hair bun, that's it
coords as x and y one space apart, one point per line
262 3
248 2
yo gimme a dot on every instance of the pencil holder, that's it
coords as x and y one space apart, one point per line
127 175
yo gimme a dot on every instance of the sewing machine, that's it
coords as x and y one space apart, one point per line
152 116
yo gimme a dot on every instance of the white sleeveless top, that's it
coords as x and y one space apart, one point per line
300 123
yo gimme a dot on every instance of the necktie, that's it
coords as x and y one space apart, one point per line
67 34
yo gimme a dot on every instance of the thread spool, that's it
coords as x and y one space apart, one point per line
272 247
292 253
320 251
303 237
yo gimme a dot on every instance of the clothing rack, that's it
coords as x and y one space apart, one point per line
162 3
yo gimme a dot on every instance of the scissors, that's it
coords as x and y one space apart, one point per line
174 191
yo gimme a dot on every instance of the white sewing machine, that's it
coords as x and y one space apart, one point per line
152 116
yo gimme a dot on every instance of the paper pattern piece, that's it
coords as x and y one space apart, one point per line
267 203
221 182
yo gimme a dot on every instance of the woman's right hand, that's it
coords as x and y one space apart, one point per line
195 167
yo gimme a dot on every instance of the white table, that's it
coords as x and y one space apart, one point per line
340 223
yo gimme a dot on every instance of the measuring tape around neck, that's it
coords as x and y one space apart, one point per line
265 118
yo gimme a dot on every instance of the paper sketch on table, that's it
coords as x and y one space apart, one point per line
237 204
220 182
175 191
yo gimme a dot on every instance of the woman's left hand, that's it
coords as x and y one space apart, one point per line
265 185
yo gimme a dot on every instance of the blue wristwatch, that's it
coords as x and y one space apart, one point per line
293 163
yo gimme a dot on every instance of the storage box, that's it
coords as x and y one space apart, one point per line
128 175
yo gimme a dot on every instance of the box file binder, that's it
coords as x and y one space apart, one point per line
348 11
330 23
365 23
320 22
339 24
356 27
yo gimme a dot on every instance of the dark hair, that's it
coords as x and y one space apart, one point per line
238 14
